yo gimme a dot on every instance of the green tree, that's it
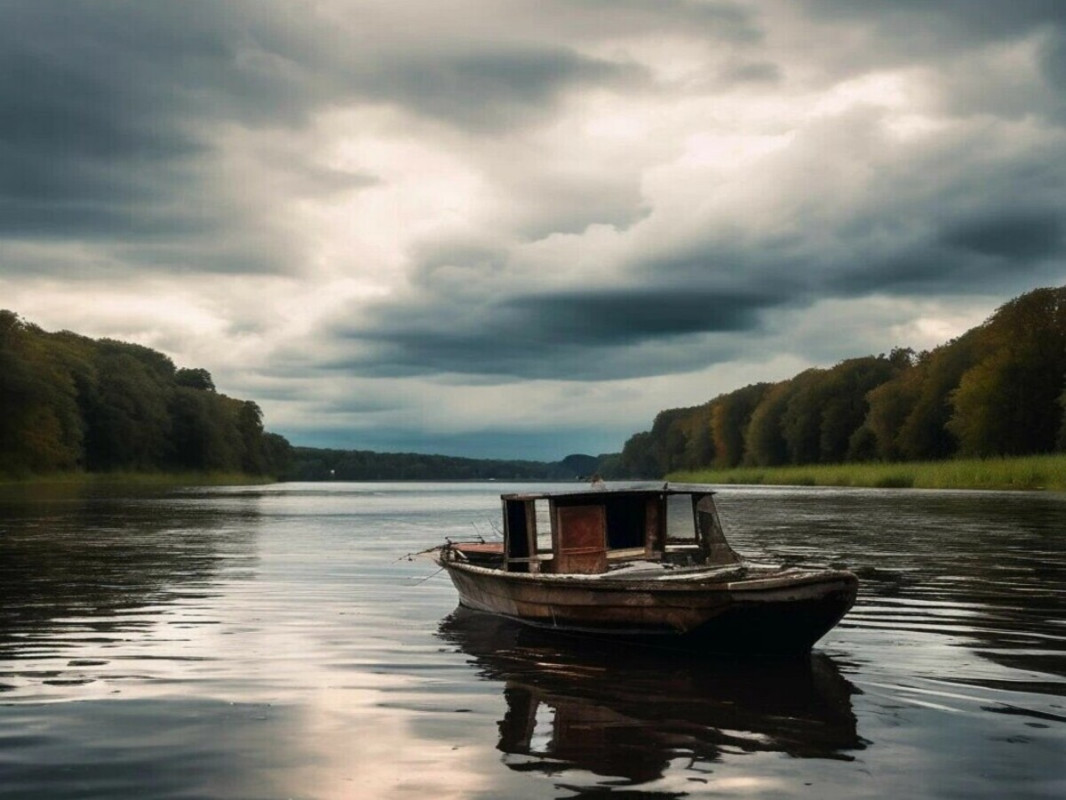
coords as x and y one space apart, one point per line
700 449
764 441
801 422
1007 403
1061 445
203 437
250 427
845 408
637 459
194 379
129 421
889 406
730 421
924 434
278 454
40 424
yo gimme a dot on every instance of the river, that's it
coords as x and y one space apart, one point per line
275 642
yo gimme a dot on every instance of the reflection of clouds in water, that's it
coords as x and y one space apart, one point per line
356 748
214 748
100 594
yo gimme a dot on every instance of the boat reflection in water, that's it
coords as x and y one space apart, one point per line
628 712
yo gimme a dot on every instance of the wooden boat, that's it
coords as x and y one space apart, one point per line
642 562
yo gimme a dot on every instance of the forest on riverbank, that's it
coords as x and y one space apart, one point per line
318 464
69 403
999 390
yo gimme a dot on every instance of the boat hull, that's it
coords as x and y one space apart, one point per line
786 612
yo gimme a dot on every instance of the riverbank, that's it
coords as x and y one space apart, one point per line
1043 472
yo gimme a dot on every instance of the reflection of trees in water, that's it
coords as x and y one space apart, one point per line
991 566
628 712
84 562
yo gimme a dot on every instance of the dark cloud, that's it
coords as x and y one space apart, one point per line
618 317
113 111
920 22
591 333
490 88
108 125
1004 252
1053 61
1011 235
752 72
946 38
721 21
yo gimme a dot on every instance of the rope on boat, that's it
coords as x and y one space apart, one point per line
448 543
413 556
420 581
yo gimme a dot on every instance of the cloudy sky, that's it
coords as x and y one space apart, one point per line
509 228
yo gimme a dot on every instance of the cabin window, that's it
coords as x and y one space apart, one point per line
625 521
544 528
679 520
516 534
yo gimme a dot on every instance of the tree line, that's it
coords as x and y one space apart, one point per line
997 390
319 464
71 403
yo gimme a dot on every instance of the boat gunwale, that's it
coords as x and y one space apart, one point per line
699 580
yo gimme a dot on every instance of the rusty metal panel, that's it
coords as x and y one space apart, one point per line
580 539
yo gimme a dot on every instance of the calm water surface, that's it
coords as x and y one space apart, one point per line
274 643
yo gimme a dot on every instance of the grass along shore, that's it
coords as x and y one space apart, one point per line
1022 473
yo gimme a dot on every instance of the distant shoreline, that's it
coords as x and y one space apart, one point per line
1024 473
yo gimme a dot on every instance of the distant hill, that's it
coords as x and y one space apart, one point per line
997 390
316 464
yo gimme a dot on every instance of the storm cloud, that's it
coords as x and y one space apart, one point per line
467 224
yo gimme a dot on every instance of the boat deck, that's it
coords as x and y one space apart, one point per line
488 557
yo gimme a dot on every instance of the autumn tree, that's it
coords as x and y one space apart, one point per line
730 421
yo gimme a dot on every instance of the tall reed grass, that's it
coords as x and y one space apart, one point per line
1023 473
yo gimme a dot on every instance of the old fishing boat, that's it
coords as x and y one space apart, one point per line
644 562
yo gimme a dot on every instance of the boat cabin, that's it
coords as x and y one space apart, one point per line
596 530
